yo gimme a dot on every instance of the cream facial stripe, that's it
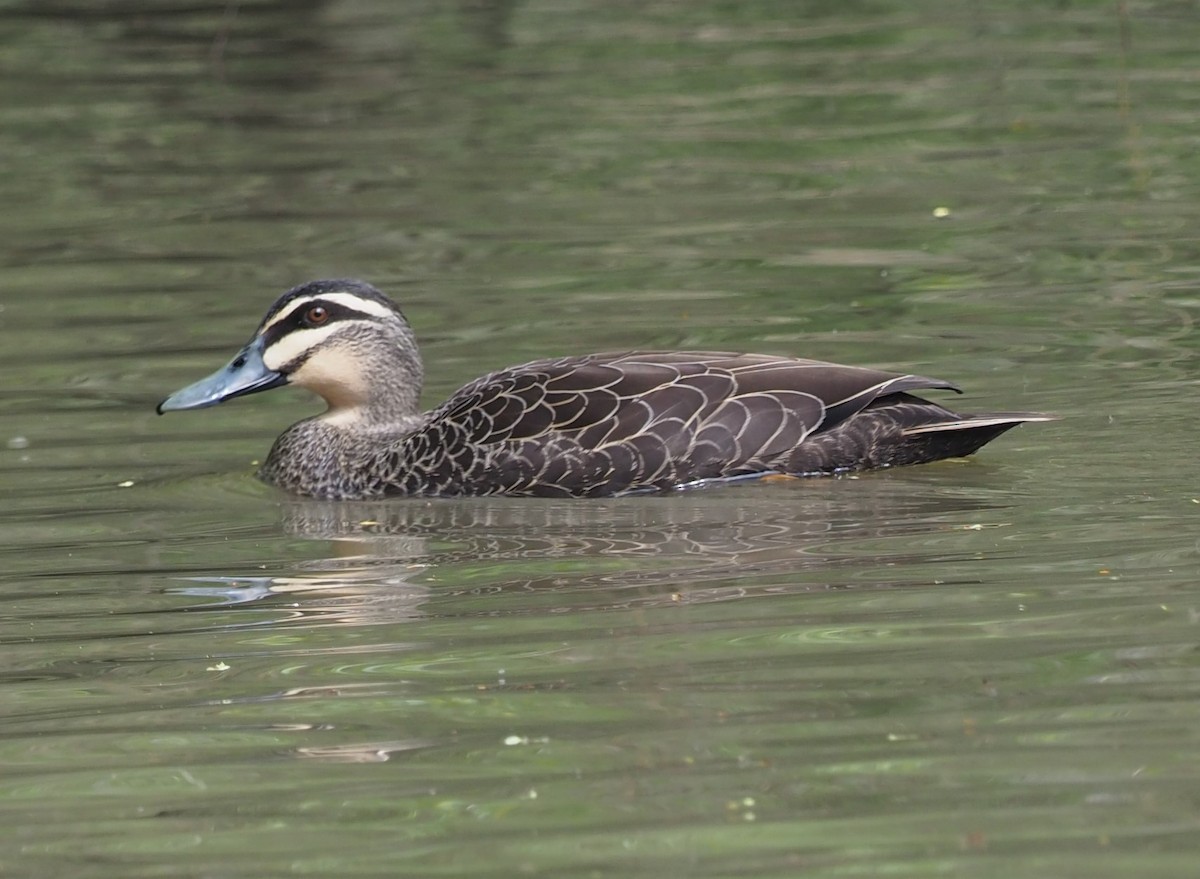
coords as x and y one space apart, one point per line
290 348
349 300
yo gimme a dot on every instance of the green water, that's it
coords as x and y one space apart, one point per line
984 668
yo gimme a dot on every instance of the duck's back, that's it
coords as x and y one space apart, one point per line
611 423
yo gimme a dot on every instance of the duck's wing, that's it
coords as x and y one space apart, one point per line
703 405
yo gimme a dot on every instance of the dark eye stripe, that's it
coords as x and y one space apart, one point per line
296 319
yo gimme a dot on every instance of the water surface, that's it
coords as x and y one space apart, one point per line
983 668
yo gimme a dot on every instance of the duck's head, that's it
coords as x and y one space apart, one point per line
341 339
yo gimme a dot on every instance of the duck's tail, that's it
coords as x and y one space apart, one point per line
959 437
901 430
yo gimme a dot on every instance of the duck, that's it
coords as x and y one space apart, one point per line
593 425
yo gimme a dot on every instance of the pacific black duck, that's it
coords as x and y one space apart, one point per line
600 424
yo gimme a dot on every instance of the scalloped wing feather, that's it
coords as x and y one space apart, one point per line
608 422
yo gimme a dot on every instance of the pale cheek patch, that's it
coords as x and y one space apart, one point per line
335 375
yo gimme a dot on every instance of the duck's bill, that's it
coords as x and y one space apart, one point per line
244 374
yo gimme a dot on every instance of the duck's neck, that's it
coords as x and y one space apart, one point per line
376 392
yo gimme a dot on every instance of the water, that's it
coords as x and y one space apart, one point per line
981 668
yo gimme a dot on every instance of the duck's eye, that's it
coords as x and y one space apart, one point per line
316 316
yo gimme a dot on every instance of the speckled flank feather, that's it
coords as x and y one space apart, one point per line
607 424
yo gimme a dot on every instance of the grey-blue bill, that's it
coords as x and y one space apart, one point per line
244 374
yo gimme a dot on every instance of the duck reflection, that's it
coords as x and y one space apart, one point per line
405 558
401 559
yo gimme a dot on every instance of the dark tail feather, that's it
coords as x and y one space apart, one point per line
958 438
906 431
